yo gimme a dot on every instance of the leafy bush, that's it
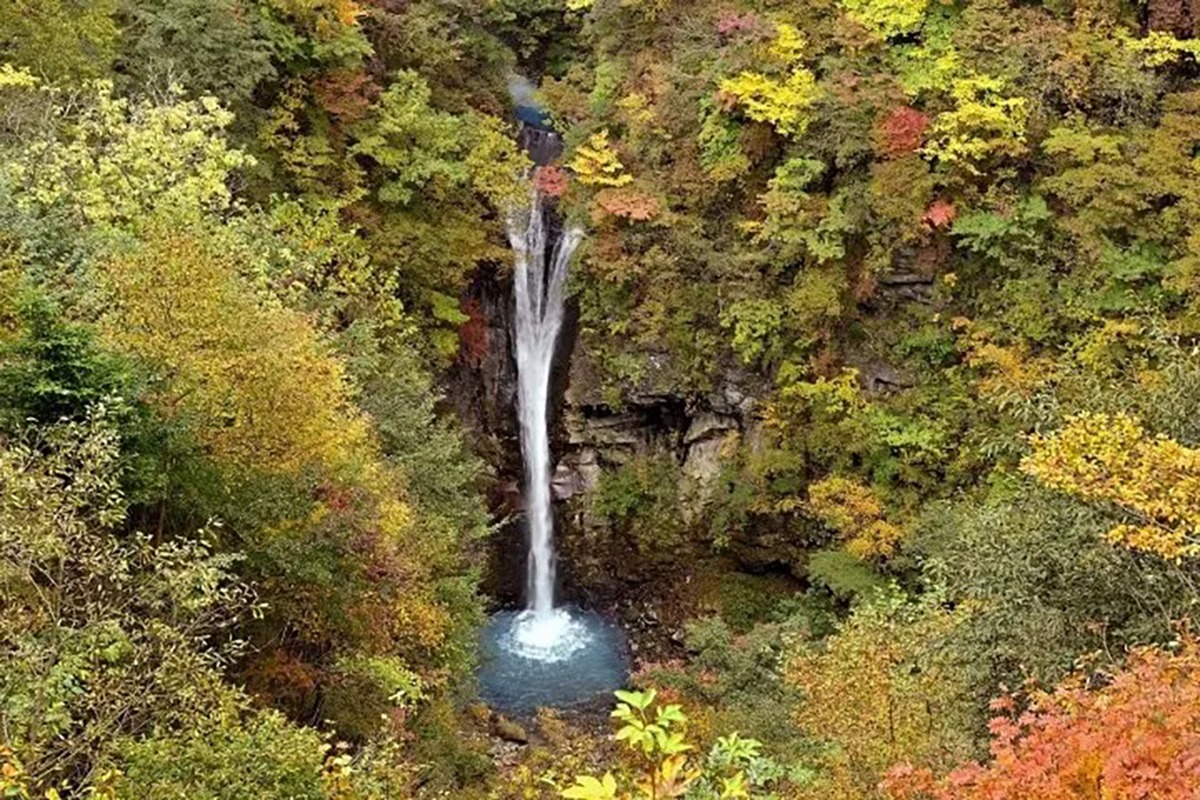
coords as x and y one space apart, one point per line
1034 566
105 636
885 686
223 760
654 735
640 500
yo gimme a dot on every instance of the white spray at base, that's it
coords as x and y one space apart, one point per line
542 631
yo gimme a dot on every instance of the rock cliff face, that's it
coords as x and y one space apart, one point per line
687 433
691 430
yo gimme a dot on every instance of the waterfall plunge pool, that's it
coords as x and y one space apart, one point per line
562 659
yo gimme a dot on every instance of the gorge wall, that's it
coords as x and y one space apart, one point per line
686 435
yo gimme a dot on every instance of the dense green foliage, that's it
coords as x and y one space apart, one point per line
946 256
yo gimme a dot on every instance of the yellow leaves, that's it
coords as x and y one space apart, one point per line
672 778
260 391
588 788
260 388
1158 48
1111 459
597 164
14 78
347 12
883 689
839 395
983 124
1009 370
784 104
855 512
421 621
789 45
887 18
655 734
784 97
14 779
1012 370
125 159
638 109
1102 349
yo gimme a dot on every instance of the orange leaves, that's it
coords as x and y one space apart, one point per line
473 334
1137 737
550 180
940 214
902 131
1111 459
346 94
628 203
347 11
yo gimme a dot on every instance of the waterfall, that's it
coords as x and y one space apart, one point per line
545 655
539 289
539 286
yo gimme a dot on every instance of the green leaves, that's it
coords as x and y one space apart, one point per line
650 734
119 160
216 47
985 124
419 149
129 635
733 768
630 700
1002 235
887 18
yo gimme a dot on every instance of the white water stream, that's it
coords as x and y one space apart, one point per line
543 631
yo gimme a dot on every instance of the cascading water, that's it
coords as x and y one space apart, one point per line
545 655
539 287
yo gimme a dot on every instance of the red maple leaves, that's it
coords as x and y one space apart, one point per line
550 180
940 214
473 334
902 131
731 22
1138 738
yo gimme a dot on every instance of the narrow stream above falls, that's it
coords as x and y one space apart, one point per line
547 654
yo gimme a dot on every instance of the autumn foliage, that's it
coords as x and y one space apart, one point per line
628 203
550 180
1138 737
902 131
855 513
1153 481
